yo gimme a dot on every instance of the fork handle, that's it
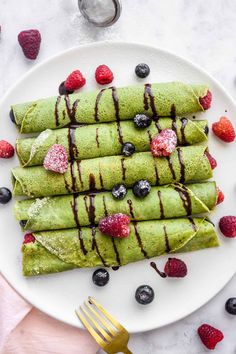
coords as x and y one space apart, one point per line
126 351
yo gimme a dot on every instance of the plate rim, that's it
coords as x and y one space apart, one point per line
144 46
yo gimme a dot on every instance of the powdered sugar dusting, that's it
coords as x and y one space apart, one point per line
56 159
36 206
39 141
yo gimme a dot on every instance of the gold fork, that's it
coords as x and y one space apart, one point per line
111 336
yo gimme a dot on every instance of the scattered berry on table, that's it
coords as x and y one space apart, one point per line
205 101
116 225
142 70
119 191
63 91
227 226
12 116
144 294
175 268
74 81
30 41
5 195
103 75
224 130
56 159
142 121
6 150
164 143
220 196
210 336
230 306
141 188
211 159
28 238
100 277
128 149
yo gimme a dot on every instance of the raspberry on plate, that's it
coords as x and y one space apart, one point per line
30 41
224 130
227 226
210 336
220 196
164 143
211 159
116 225
56 159
103 75
205 101
74 81
6 150
175 268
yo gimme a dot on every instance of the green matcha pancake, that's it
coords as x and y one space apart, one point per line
107 105
57 251
64 212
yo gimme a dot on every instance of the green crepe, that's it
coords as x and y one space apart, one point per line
69 211
56 251
186 164
103 139
107 105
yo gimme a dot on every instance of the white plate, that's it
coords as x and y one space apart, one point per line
209 270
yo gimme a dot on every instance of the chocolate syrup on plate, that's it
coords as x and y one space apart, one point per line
154 266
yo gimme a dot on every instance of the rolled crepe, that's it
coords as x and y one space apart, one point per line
70 211
57 251
186 164
103 139
107 105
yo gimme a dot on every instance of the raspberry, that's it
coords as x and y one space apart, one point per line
211 159
116 225
224 130
28 238
175 268
103 75
220 196
6 150
56 159
164 143
205 101
75 81
209 335
30 43
227 226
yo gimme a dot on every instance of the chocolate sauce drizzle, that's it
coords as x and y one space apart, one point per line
154 266
74 207
57 110
171 167
73 150
162 215
116 252
79 172
167 250
156 171
97 137
104 206
184 122
185 197
73 178
149 136
139 240
101 180
123 168
193 224
92 183
117 113
99 95
131 210
173 117
182 165
71 111
95 245
149 99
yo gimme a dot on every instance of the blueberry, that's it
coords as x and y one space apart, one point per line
142 121
101 277
12 116
5 195
62 90
128 149
206 130
142 70
230 306
119 191
144 294
22 223
141 188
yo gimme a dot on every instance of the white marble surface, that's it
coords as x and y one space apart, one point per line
202 31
